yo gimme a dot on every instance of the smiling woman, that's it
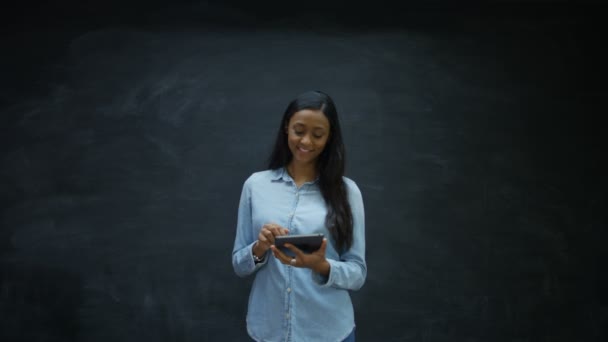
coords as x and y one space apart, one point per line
307 134
304 191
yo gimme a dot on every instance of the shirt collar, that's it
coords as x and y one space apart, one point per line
282 174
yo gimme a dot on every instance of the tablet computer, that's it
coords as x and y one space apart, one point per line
307 243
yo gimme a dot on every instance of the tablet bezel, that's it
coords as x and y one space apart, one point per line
307 243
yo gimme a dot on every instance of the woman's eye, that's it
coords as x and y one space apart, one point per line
299 132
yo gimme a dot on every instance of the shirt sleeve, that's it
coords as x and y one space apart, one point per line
351 270
242 256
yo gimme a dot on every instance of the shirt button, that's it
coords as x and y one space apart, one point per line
289 289
287 316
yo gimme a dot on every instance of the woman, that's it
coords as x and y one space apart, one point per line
304 191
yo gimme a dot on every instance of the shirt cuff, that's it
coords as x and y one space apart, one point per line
324 281
259 264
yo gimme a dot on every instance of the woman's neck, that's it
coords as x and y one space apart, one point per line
302 173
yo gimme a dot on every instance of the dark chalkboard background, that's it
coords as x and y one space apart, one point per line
473 132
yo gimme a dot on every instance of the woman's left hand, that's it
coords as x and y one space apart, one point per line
315 261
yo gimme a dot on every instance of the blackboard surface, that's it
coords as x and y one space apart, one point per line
474 136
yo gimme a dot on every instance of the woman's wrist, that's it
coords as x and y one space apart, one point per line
258 250
322 268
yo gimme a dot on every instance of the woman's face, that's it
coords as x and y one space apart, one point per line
307 134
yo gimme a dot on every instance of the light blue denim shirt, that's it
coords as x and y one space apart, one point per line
288 303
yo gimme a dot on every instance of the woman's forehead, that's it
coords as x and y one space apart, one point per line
309 117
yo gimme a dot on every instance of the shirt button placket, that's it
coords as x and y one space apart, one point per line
295 205
288 290
289 299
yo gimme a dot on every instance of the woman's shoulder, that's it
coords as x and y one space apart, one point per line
351 185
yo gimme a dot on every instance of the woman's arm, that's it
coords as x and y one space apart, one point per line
242 256
351 270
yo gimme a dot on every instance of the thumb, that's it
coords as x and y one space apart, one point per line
323 246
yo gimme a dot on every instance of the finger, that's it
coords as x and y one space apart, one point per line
274 225
277 230
321 250
276 253
284 231
323 246
269 236
283 258
270 227
295 250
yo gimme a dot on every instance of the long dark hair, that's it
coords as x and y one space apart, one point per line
330 165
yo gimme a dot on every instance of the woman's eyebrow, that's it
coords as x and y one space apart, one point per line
315 128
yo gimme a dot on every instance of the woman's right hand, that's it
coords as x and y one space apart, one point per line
266 238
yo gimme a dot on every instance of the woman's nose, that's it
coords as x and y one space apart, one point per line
305 139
